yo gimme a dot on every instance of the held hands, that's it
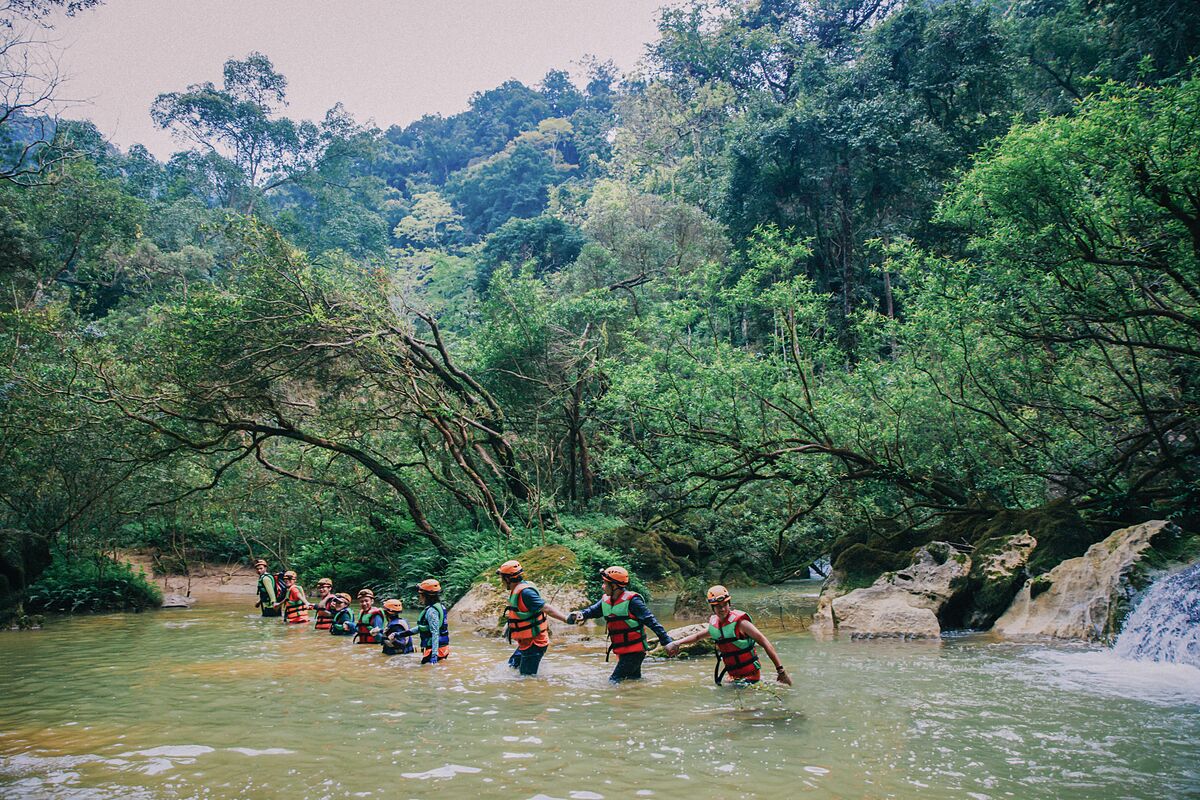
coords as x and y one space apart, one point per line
575 618
672 648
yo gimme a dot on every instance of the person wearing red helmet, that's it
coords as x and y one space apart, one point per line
525 619
735 636
626 617
431 625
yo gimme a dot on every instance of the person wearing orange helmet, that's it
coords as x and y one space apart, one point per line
397 637
626 617
369 621
735 636
431 625
295 604
268 596
525 619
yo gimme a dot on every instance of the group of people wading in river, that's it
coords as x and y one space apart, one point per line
625 614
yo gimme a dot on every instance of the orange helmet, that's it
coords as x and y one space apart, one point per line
290 574
429 586
259 561
618 575
393 605
365 593
324 582
717 594
341 597
510 569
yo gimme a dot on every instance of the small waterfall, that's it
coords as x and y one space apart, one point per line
1166 624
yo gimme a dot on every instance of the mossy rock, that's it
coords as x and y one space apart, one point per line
859 565
554 569
692 601
657 553
551 563
998 571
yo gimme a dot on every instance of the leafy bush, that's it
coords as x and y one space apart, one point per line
92 583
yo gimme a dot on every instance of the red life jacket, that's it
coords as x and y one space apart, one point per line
324 616
295 608
735 651
364 626
624 630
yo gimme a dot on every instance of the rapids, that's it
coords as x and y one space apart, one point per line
215 702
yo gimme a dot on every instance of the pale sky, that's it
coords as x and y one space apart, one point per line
387 61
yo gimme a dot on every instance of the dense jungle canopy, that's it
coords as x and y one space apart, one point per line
824 278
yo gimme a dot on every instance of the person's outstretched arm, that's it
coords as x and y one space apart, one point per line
754 633
674 646
642 612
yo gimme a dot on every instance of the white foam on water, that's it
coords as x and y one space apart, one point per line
448 771
1103 672
173 751
585 796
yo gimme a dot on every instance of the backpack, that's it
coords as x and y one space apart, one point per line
280 587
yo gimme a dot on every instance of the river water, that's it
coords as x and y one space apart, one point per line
215 702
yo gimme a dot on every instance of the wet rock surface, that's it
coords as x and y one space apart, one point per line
997 573
902 604
1086 598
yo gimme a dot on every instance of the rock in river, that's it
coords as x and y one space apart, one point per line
1086 597
901 604
555 571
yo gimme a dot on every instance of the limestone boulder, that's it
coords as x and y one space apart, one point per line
555 571
177 601
1087 598
903 604
997 574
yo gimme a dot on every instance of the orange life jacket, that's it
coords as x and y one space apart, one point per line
295 608
324 615
523 625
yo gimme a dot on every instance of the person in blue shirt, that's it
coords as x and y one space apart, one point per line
526 622
627 618
397 638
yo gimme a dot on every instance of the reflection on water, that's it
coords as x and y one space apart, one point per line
214 702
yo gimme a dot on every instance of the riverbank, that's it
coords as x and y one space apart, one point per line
203 581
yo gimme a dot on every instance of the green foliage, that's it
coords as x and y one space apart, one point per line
92 583
829 278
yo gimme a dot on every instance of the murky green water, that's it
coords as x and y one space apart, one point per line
217 703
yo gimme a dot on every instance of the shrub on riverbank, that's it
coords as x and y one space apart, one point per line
92 583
